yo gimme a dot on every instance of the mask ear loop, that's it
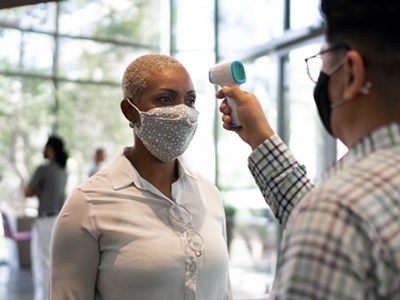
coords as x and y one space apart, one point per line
363 90
131 125
338 103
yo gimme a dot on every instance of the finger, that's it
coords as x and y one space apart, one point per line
220 95
226 119
224 108
226 122
227 127
230 91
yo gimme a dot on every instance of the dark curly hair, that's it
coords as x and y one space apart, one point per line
57 145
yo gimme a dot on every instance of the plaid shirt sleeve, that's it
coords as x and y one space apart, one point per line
281 179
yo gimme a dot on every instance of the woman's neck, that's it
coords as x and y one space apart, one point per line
160 174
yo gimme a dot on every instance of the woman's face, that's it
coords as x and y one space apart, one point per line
48 152
169 86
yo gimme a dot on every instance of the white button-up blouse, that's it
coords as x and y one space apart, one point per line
114 239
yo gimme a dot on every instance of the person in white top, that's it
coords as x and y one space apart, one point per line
145 227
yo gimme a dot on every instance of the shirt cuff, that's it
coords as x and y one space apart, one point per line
270 159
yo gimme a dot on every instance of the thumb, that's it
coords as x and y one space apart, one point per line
232 92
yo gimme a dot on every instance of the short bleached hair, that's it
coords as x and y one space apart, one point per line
137 74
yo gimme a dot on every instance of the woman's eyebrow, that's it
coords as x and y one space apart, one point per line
175 92
172 91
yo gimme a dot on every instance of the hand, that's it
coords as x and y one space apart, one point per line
29 192
255 128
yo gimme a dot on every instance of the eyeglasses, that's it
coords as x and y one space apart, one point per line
181 218
314 63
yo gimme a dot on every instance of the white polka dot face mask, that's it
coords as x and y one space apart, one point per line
167 131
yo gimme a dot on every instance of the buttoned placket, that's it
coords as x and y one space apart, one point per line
179 188
191 263
191 260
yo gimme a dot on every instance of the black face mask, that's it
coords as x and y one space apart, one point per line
322 100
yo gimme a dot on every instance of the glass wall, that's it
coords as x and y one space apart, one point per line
243 27
302 111
193 44
303 14
62 68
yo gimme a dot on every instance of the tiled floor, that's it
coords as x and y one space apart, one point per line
15 284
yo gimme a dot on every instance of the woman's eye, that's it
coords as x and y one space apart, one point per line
191 101
165 99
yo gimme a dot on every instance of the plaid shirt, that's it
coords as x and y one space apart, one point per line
342 239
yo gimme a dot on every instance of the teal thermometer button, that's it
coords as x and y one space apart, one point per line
238 73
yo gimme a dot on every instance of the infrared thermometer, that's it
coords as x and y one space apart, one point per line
229 74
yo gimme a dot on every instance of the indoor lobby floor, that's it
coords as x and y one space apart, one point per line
15 283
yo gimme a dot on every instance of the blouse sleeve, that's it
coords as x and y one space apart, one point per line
74 251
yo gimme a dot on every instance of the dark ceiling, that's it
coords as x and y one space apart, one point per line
15 3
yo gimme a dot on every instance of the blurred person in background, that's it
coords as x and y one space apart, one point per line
48 185
146 226
98 159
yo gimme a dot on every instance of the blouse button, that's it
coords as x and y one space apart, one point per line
193 268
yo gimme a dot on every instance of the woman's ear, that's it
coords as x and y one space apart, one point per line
130 113
356 81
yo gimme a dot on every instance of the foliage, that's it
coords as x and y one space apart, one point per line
230 210
90 117
84 112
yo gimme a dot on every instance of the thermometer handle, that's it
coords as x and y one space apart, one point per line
234 115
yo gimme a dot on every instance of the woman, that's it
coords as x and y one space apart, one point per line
146 227
48 184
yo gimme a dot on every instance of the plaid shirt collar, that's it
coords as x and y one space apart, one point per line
382 138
